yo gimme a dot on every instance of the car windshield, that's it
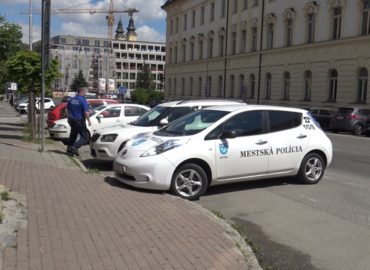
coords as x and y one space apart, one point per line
94 111
192 123
150 118
345 110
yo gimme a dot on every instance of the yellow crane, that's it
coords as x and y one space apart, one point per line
109 17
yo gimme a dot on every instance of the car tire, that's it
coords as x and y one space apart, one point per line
358 130
367 133
312 169
189 182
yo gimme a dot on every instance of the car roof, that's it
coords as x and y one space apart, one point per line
232 108
200 102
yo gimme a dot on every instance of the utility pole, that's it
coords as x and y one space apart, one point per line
45 48
260 54
30 26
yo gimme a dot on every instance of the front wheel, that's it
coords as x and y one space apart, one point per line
189 181
358 130
312 169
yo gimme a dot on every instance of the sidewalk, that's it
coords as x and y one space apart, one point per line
78 220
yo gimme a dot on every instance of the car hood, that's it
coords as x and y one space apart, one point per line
146 141
125 129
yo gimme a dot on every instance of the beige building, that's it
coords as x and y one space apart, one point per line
314 53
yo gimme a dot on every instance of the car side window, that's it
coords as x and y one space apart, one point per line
178 112
282 120
111 112
243 124
134 111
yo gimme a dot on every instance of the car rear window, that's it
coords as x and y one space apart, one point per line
282 120
345 110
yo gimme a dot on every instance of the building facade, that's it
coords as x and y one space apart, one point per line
309 53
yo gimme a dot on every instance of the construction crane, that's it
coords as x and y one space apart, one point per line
109 17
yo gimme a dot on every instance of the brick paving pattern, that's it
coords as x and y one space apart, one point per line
83 221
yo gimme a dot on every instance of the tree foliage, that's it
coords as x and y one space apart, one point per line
25 69
144 79
143 96
79 81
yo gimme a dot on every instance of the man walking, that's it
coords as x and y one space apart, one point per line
78 113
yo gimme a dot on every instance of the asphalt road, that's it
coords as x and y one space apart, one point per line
294 226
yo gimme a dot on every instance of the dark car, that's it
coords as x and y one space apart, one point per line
350 119
367 127
323 116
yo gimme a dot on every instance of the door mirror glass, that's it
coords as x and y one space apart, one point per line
163 122
228 134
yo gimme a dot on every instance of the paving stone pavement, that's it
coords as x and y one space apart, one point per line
78 220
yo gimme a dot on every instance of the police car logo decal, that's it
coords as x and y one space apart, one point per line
135 143
223 149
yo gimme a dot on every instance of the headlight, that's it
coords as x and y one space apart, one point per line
60 126
109 138
163 147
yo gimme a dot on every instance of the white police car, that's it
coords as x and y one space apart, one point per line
223 145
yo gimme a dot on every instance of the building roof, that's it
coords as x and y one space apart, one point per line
168 2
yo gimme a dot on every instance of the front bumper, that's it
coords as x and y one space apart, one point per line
104 151
59 134
153 172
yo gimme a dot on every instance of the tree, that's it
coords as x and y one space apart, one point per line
145 79
10 43
79 81
25 69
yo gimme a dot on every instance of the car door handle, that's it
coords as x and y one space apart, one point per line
302 136
261 142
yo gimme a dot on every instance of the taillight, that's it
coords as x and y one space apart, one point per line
355 116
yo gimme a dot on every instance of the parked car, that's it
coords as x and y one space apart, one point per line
350 119
48 105
323 116
226 144
107 143
102 117
20 99
59 112
367 127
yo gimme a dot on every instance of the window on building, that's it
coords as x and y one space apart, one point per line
177 25
169 86
170 56
201 15
209 86
191 86
268 86
192 50
212 12
366 18
85 42
193 19
333 85
182 86
223 8
210 47
233 43
175 55
232 86
106 43
220 86
184 52
221 45
252 85
307 85
97 43
270 36
185 22
78 41
254 39
255 3
243 41
171 27
200 49
63 41
235 6
337 22
310 28
286 85
174 86
289 32
242 88
245 4
362 85
199 86
86 49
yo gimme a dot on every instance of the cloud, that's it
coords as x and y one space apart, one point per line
146 33
36 32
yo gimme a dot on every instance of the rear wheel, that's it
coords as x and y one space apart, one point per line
189 182
358 130
312 169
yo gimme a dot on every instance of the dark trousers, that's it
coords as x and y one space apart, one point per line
78 127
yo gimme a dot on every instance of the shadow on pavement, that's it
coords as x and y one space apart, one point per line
255 184
98 164
115 183
11 124
11 128
14 137
59 152
17 146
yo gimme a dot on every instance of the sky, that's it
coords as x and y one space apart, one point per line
150 21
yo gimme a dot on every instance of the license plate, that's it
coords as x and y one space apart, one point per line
119 168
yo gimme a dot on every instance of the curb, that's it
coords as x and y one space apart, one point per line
250 259
77 161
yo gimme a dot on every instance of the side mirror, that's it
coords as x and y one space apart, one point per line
228 134
99 117
163 122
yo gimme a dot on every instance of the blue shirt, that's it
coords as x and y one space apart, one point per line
77 106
